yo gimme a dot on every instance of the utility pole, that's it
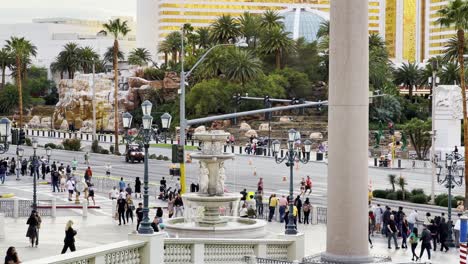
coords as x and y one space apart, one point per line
182 115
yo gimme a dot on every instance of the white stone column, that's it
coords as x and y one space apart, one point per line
153 251
347 225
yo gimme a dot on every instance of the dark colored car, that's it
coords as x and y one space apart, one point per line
134 153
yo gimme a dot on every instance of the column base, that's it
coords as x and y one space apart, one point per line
327 258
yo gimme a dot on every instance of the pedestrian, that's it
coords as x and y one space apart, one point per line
90 193
12 256
43 170
179 205
386 220
71 188
306 208
130 208
86 158
3 171
456 231
63 182
372 222
392 232
162 184
434 233
54 166
272 203
177 187
68 171
405 231
139 215
302 187
414 239
114 193
55 181
155 224
378 214
121 184
69 241
137 187
108 169
259 203
244 195
260 185
425 242
298 204
370 227
129 190
32 232
88 174
283 204
74 164
121 207
443 232
243 211
308 185
412 219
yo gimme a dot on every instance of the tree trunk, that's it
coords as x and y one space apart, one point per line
165 58
410 91
61 75
174 56
461 45
116 101
278 59
20 89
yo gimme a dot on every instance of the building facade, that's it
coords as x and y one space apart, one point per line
408 26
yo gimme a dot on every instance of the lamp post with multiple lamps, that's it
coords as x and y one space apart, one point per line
34 167
291 156
145 135
452 175
5 126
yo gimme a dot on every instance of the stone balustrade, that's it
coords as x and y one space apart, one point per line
147 249
12 207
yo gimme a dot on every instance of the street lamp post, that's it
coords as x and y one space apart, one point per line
291 156
451 171
146 134
19 157
433 81
5 126
48 153
34 145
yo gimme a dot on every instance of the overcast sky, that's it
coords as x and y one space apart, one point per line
18 11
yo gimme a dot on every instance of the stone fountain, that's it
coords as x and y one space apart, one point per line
203 209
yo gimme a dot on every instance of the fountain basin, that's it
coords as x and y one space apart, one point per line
234 227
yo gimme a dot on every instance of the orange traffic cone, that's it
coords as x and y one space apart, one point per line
284 178
250 161
255 171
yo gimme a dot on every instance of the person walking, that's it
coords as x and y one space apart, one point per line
3 171
90 193
370 228
443 233
69 241
412 219
283 204
71 188
121 206
260 185
74 164
55 181
306 208
378 214
130 208
43 170
456 231
32 232
272 202
121 184
298 204
88 174
393 232
386 220
372 222
86 158
405 231
170 205
425 242
434 233
108 169
139 215
12 256
414 239
129 190
259 203
137 187
179 205
308 185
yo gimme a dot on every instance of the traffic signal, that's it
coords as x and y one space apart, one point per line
14 136
238 99
177 154
267 103
22 137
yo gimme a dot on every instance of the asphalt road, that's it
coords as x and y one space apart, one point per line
240 172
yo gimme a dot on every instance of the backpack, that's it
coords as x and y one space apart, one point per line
306 207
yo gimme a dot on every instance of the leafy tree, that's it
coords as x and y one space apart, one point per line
402 183
271 20
324 29
386 108
164 48
250 28
408 75
298 85
87 57
139 56
22 49
276 41
203 37
6 61
451 49
225 30
419 134
392 180
9 99
70 56
37 84
243 66
59 65
173 42
379 64
449 74
116 28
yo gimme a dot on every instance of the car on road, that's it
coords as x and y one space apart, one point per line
134 153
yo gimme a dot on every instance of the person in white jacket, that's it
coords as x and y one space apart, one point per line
412 219
378 213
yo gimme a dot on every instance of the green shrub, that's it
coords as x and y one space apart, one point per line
59 146
459 198
95 148
438 199
419 198
37 101
166 158
392 196
73 144
444 203
50 145
381 193
111 149
417 191
152 156
153 74
400 195
104 151
28 142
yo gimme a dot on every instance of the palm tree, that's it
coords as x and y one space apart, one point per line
22 49
392 180
324 29
276 41
451 49
174 42
402 183
117 29
87 57
164 48
59 65
408 74
203 37
109 56
270 20
243 66
70 55
225 30
456 14
249 28
6 61
449 73
139 56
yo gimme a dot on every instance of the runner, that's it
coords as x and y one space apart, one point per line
308 185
